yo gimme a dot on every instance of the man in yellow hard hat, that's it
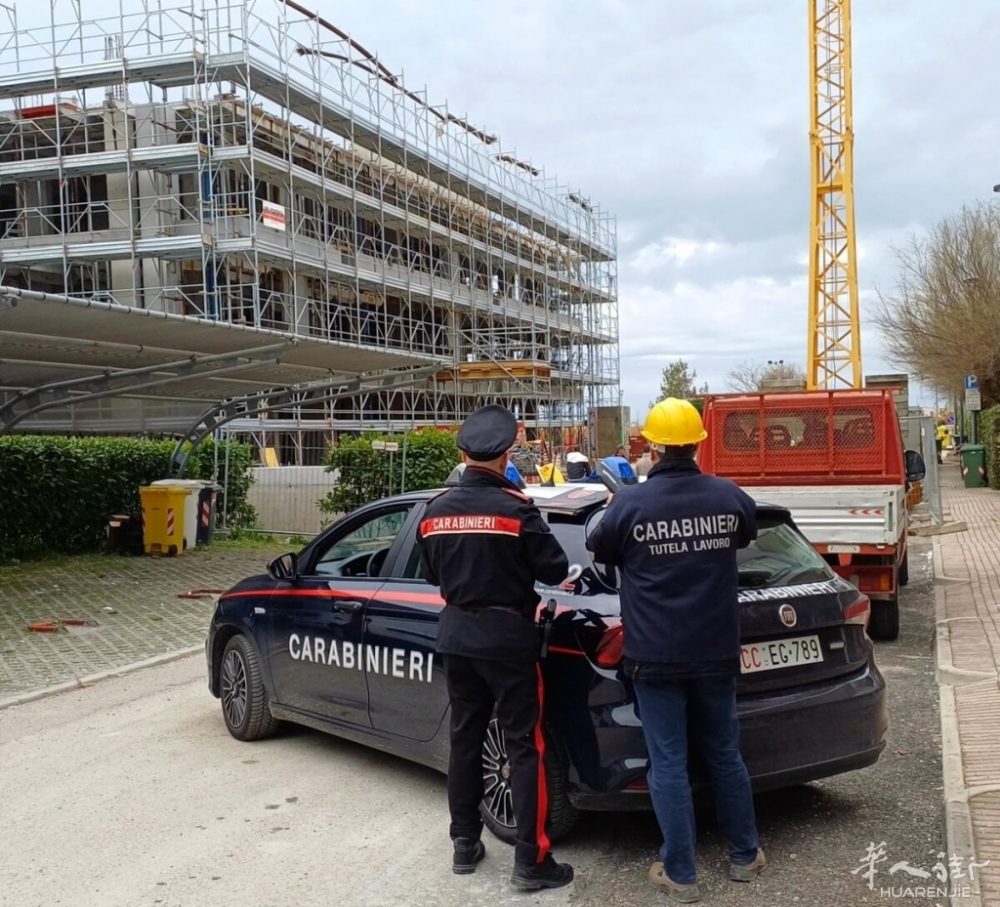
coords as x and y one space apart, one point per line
674 538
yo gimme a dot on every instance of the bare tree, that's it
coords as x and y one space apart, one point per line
748 377
943 319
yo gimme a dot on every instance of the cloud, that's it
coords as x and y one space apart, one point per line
690 122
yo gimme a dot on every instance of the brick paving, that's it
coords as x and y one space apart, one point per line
972 610
146 619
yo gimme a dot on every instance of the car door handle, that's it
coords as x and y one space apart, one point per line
346 606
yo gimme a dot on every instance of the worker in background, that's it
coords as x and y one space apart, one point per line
486 545
674 539
941 440
577 466
621 451
645 463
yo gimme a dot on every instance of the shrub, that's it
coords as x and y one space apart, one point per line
365 474
59 492
989 436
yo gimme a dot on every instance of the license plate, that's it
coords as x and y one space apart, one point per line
781 653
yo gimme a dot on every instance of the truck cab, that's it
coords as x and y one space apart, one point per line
836 460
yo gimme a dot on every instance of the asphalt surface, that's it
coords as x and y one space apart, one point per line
131 793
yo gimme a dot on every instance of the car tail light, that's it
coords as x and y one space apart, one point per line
609 649
858 611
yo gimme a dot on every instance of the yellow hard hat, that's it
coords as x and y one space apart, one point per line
674 423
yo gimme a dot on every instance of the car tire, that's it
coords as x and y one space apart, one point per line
884 623
497 806
904 570
245 706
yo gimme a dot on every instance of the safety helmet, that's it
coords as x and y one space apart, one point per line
574 456
674 423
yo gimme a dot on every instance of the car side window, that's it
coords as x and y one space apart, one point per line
363 550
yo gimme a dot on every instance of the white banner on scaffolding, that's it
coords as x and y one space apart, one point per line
273 216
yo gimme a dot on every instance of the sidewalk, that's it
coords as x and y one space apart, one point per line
130 606
967 571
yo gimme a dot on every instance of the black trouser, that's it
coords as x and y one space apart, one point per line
475 685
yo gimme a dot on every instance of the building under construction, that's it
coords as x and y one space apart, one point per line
252 164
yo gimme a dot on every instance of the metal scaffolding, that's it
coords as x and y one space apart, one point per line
248 162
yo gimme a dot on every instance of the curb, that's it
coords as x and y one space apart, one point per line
960 837
81 682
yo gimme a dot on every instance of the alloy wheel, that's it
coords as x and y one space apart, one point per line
497 796
234 688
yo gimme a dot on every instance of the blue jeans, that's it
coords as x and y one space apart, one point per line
710 702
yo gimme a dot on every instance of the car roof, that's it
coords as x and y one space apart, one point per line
571 498
565 498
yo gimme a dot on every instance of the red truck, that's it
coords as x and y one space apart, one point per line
835 459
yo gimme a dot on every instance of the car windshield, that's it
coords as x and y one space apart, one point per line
780 556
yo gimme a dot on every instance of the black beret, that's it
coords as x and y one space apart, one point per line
488 433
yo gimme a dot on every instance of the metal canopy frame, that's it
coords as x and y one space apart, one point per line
262 402
119 382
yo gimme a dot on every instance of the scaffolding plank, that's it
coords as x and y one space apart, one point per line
162 69
176 158
168 247
497 370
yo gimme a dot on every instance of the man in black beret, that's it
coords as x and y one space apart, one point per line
486 545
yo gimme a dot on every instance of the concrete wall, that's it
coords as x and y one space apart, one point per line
285 497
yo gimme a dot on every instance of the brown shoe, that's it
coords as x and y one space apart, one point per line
683 894
747 872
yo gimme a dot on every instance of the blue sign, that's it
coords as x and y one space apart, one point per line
971 383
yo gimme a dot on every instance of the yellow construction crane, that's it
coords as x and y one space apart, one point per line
834 357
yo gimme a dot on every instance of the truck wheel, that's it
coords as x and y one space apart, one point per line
884 623
497 808
904 569
245 705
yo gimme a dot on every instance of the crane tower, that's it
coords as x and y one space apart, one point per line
834 357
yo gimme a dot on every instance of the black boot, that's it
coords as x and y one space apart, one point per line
547 874
468 853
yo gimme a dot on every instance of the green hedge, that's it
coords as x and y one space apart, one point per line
367 474
989 436
59 492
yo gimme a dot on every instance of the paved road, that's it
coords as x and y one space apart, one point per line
131 794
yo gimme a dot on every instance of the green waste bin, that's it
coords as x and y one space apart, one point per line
974 465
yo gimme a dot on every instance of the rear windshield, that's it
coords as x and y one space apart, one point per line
780 556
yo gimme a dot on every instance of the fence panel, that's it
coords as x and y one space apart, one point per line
919 433
285 498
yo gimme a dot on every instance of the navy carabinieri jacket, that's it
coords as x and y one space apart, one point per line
674 538
486 544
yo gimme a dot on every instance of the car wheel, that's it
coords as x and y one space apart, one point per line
245 707
497 808
904 570
884 623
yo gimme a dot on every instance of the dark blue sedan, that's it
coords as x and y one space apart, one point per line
340 637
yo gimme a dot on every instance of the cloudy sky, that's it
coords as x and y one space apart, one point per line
688 119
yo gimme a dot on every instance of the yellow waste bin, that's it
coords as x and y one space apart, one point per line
163 518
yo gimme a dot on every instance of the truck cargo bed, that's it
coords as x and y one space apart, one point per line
841 515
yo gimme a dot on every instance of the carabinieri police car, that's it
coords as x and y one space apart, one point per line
340 637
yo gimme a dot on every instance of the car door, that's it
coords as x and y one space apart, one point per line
411 699
315 624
